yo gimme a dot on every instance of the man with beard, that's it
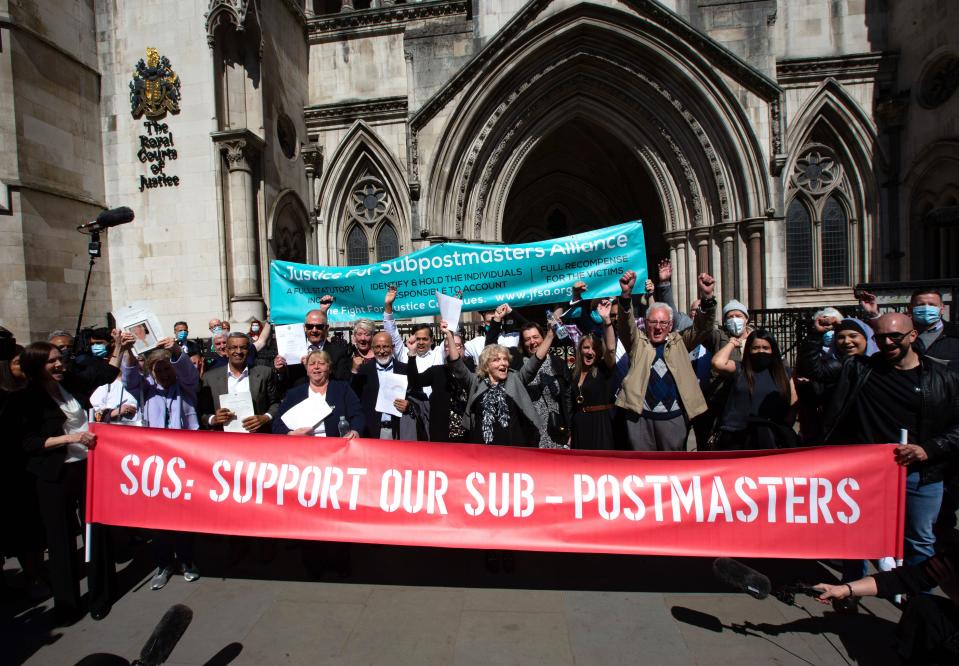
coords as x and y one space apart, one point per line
875 397
366 384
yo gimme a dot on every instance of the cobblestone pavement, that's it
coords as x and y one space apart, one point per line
435 606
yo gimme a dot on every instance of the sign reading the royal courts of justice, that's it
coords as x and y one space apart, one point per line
154 92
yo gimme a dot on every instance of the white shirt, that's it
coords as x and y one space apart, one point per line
76 422
239 384
435 356
475 347
113 396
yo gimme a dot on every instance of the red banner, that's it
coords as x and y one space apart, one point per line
826 502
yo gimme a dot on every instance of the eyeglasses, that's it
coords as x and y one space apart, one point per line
651 322
892 337
318 327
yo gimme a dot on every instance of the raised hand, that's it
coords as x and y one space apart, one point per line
604 308
626 282
650 287
867 301
501 312
706 284
325 302
578 288
665 270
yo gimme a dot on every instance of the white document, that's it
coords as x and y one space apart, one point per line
392 387
450 309
307 414
240 404
291 343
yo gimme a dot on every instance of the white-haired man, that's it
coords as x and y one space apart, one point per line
661 393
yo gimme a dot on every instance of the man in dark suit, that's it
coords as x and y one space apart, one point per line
366 384
238 377
317 329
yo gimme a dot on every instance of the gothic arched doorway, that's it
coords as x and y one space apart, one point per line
579 178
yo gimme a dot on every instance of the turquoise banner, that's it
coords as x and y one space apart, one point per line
487 275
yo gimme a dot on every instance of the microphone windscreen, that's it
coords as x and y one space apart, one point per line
165 636
115 216
738 575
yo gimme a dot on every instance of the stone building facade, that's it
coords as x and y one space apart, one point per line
793 148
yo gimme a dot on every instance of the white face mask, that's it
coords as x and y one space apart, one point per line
735 326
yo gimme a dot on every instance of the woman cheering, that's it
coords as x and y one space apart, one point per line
498 407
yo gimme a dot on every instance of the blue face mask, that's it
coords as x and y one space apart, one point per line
827 338
182 335
217 330
595 316
926 315
99 349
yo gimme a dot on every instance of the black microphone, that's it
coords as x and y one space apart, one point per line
109 218
165 636
738 575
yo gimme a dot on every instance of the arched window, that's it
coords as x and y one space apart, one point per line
387 243
835 244
357 251
798 246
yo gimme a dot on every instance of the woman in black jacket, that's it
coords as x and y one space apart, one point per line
51 423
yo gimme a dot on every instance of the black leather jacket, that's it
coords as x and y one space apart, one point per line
939 410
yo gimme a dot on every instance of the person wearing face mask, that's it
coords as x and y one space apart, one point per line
758 412
366 385
660 394
259 334
875 397
111 402
493 332
938 340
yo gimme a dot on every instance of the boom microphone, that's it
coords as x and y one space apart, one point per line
164 638
738 575
109 218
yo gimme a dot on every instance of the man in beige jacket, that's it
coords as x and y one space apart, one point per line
661 393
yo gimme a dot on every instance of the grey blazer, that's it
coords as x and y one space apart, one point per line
516 381
262 388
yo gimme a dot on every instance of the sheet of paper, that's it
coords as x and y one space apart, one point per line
450 309
291 343
392 387
307 414
240 404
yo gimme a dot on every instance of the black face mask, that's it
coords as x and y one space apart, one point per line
761 361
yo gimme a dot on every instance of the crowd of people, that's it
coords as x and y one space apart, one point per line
643 377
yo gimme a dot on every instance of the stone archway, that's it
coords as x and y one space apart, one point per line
639 81
577 178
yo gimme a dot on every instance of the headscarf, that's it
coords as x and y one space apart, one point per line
853 324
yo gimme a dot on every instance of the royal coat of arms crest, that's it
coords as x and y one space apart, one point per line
155 88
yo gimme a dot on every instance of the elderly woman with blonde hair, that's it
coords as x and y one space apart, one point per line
498 407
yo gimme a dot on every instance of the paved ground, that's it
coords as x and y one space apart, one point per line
435 606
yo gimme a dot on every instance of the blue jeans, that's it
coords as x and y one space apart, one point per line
922 508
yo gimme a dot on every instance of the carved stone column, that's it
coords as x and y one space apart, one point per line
700 239
312 155
676 240
347 6
728 275
753 230
241 150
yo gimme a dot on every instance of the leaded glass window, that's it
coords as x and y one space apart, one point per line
387 244
799 267
357 251
835 244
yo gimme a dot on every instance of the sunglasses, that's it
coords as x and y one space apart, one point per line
317 327
893 337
